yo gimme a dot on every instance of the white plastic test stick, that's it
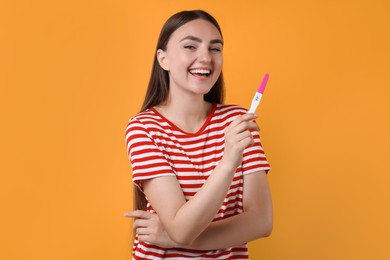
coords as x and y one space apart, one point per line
259 93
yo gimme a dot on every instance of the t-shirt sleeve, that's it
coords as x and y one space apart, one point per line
254 158
147 159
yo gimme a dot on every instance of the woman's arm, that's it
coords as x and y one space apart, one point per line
256 221
185 220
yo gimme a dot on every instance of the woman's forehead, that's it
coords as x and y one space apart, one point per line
198 28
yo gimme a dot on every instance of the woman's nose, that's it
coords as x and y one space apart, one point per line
204 55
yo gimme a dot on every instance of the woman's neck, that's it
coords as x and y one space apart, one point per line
188 115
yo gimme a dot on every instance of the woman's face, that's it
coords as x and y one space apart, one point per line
193 58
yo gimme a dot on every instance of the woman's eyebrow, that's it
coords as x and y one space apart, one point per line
217 41
196 39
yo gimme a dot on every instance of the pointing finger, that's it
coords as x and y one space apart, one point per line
138 214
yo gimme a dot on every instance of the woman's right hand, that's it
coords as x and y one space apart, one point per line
238 137
150 229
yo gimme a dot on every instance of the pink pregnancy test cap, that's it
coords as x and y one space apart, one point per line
263 83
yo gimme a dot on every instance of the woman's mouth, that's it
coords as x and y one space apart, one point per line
200 72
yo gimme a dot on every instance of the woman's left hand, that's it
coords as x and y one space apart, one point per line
150 229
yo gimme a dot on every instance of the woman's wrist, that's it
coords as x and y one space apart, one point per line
226 165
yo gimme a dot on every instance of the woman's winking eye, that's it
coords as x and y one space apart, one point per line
215 49
190 47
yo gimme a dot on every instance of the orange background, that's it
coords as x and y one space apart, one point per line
73 72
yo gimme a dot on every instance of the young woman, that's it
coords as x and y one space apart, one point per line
199 163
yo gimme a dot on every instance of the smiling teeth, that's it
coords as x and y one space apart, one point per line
200 71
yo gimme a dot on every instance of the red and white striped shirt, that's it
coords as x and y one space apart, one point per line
156 147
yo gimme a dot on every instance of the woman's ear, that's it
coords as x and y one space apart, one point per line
162 59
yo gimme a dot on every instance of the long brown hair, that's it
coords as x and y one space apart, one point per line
158 87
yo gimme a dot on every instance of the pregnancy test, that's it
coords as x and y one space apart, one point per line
259 94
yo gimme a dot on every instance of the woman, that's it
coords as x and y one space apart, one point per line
200 163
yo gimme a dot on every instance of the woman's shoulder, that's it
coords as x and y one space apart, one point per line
143 116
144 120
230 109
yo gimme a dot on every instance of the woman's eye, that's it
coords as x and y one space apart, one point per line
215 49
190 47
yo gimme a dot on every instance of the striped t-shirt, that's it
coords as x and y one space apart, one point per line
156 147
